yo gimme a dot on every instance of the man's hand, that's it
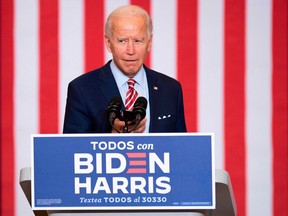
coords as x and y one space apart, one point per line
119 125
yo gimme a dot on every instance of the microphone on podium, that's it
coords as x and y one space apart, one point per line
131 118
113 110
139 110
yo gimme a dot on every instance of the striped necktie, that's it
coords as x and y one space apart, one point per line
131 95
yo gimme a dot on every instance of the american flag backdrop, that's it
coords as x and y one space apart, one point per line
229 55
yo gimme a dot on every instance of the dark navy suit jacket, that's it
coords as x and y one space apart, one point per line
89 96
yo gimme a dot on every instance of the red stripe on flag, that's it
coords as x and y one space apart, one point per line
147 6
280 106
187 24
234 85
94 34
48 63
7 108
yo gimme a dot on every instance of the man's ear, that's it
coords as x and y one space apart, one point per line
108 44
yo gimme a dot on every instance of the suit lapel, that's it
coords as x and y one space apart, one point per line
153 92
108 85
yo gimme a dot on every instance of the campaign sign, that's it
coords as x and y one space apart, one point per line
123 171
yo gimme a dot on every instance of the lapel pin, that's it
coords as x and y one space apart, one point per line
155 88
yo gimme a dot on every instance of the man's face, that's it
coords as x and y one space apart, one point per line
129 43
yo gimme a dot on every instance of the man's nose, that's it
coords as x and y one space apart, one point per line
130 48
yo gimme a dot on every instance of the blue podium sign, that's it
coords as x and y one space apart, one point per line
123 171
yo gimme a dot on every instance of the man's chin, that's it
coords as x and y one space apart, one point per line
131 69
130 73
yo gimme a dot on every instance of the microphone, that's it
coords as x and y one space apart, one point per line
139 110
113 110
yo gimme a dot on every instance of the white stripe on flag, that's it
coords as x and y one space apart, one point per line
26 63
71 48
210 73
163 52
258 106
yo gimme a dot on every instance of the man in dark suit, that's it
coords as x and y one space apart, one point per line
128 36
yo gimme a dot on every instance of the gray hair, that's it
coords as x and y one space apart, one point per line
128 10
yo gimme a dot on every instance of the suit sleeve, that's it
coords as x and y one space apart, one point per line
77 118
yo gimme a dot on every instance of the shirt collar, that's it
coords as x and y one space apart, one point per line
122 79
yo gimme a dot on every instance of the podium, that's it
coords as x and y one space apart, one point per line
225 201
134 175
